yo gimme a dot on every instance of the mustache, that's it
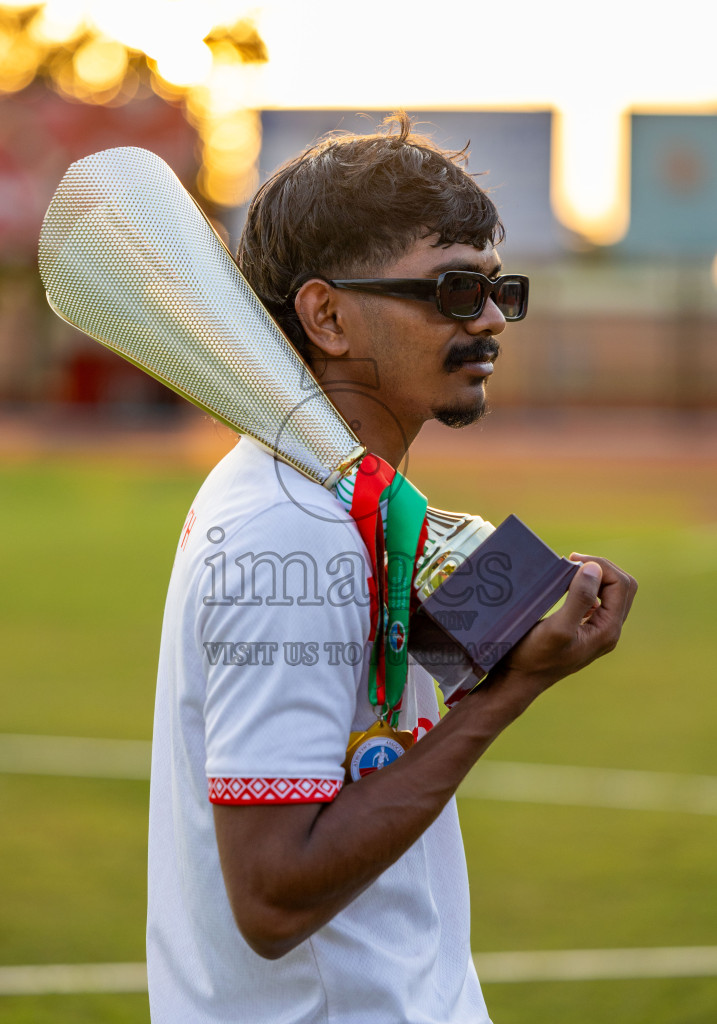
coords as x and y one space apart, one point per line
481 350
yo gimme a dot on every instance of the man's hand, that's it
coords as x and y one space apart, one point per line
587 625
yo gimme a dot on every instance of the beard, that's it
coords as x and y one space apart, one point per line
461 416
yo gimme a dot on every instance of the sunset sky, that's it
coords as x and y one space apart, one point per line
590 64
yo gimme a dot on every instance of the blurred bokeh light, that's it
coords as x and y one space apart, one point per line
591 66
93 52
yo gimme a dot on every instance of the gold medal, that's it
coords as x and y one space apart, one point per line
374 748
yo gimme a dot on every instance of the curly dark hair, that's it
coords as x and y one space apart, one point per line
351 204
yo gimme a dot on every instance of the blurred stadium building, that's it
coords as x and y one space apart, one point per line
631 324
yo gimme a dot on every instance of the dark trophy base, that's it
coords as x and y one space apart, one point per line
486 606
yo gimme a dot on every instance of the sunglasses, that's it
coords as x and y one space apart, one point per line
458 294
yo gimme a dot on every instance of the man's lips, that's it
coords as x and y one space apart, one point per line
477 359
479 369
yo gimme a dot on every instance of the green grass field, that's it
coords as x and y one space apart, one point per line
87 550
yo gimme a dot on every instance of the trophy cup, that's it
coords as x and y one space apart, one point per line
128 257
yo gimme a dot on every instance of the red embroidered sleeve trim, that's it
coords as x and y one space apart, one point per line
273 791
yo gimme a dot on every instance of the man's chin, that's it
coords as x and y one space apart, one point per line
460 416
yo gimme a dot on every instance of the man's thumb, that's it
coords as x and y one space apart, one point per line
583 590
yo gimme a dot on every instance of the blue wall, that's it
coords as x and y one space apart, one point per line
513 147
674 186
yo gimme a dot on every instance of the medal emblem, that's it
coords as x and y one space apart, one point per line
397 636
373 755
373 749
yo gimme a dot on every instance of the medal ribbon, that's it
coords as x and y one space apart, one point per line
404 529
393 551
371 480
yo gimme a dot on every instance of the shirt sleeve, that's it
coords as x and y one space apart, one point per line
284 648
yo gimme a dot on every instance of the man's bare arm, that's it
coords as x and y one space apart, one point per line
289 869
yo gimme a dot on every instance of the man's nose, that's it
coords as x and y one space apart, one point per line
490 321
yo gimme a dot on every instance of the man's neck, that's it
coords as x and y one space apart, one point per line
374 422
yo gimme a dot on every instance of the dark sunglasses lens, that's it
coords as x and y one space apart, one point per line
510 298
461 295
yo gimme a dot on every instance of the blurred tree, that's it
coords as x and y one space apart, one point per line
91 52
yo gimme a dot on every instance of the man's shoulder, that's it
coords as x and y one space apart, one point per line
255 496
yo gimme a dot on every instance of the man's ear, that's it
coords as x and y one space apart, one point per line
316 305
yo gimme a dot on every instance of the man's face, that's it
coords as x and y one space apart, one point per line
428 365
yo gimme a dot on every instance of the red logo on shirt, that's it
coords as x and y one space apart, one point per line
424 724
189 523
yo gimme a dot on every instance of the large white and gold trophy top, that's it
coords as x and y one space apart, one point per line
127 256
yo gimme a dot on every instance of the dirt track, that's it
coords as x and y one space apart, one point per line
192 438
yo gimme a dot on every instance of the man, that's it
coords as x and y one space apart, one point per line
288 895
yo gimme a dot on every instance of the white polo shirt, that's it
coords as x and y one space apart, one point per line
262 677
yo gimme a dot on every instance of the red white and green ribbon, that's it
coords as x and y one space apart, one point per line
390 514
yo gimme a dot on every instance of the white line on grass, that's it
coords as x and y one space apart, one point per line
596 964
591 787
489 780
67 978
543 965
71 755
